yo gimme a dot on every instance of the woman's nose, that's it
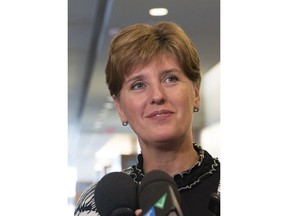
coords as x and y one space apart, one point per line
158 95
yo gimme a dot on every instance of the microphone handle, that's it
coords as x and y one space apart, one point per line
176 204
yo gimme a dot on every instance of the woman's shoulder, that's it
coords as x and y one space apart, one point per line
86 203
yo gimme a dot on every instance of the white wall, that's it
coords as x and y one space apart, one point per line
210 134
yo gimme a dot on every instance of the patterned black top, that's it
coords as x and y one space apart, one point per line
195 186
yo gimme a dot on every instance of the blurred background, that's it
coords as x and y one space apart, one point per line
97 141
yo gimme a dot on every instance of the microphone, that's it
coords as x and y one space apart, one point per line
158 195
214 202
116 195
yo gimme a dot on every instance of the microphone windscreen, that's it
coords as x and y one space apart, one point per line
154 185
116 194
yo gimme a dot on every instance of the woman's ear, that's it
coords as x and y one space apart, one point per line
119 109
197 96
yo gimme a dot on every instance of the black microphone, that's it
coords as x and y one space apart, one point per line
158 195
116 195
214 202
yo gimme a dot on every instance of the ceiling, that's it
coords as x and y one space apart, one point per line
91 26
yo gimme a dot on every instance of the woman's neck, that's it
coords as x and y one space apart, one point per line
172 162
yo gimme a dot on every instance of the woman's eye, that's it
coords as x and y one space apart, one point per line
137 86
171 79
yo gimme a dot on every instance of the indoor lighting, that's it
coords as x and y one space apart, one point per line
158 11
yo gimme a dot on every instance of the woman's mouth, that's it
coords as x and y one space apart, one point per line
159 114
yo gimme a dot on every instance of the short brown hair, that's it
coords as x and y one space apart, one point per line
139 44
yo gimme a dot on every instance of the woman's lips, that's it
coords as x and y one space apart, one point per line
161 113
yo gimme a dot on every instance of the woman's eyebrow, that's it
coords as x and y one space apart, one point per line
172 70
133 78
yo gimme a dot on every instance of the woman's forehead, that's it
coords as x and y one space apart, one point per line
158 61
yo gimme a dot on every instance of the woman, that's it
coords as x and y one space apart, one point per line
154 78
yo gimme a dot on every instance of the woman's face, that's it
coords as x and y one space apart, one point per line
157 100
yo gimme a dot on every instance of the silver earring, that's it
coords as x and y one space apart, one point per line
196 109
125 123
